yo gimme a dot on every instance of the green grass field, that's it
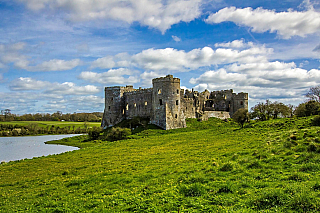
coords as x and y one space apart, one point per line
212 166
50 123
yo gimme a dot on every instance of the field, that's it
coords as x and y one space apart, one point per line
24 128
44 124
211 166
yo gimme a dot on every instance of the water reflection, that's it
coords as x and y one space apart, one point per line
17 148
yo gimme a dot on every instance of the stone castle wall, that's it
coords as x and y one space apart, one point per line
138 103
167 105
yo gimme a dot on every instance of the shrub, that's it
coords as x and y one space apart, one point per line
241 116
94 133
316 120
118 133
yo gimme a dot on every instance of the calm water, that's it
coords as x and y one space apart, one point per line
17 148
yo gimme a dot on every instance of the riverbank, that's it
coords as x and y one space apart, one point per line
211 166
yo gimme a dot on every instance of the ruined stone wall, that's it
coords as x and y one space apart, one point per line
138 103
217 114
113 106
187 106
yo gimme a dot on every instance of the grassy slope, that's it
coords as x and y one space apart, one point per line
210 166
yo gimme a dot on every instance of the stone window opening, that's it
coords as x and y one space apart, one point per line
109 107
123 111
145 103
177 102
176 116
127 107
159 91
241 103
112 99
177 91
135 105
160 102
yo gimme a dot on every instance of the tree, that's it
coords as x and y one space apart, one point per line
241 116
6 113
314 94
265 111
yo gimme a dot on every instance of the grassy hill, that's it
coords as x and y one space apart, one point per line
210 166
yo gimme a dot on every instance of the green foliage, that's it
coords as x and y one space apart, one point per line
307 109
210 166
94 133
241 116
265 111
117 133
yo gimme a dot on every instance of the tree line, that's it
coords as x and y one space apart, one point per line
271 110
6 115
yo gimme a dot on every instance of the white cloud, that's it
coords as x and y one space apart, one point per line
113 76
12 53
286 24
55 65
235 44
104 63
176 38
28 84
153 13
179 60
69 88
277 80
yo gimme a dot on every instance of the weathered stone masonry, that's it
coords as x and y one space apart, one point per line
167 105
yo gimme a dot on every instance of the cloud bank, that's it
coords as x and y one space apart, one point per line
285 24
157 14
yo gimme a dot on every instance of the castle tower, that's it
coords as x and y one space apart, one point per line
114 106
239 101
167 112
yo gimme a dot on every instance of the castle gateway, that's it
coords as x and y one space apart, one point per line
167 105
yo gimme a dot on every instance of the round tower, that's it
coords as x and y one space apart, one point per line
166 104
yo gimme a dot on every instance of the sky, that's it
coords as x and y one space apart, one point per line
58 55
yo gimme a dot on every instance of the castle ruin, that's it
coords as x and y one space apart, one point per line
167 105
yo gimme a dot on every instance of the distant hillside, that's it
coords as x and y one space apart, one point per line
211 166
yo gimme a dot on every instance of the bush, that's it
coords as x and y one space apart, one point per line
316 120
241 116
118 133
94 133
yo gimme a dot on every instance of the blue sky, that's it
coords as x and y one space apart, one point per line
58 55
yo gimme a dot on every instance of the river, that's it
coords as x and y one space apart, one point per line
17 148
